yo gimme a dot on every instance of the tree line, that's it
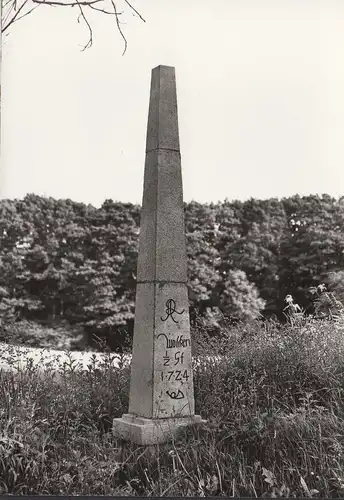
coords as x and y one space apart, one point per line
63 261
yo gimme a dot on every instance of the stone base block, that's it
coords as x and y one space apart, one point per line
145 431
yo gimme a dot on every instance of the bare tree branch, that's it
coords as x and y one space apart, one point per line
13 7
71 4
17 17
119 27
14 10
103 10
6 3
90 40
133 9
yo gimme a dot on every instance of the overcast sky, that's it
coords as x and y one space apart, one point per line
260 100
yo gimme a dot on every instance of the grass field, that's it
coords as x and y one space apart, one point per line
273 401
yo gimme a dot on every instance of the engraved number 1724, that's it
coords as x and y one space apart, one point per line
178 375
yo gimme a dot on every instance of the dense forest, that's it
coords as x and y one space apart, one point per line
70 267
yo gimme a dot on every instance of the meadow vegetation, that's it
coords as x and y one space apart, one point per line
272 395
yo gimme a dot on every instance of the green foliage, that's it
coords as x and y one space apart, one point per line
240 298
335 282
61 336
325 303
65 261
312 244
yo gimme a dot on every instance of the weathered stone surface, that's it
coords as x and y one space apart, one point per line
142 364
162 129
145 431
173 380
162 248
161 387
161 377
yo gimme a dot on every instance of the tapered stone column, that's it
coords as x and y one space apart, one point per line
161 385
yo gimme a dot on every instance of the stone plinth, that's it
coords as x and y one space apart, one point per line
147 431
161 386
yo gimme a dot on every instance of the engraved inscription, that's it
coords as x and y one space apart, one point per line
175 395
179 358
173 359
172 343
170 310
178 375
166 359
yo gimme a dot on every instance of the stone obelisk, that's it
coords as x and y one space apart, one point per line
161 385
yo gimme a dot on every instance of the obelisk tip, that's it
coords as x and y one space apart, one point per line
163 66
162 130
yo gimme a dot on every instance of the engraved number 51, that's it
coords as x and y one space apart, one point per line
179 357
